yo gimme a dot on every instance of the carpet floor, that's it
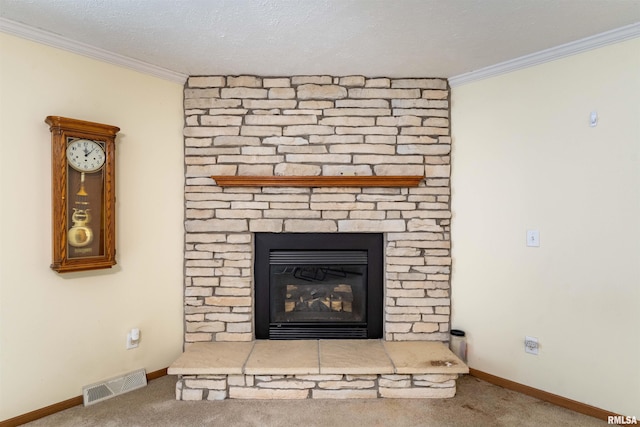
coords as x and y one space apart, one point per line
477 403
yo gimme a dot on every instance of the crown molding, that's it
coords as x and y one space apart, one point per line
593 42
547 55
57 41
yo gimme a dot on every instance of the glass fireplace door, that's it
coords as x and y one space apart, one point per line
318 293
318 288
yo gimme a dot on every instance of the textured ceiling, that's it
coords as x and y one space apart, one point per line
439 38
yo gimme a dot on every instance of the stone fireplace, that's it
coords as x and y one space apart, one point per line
316 159
316 126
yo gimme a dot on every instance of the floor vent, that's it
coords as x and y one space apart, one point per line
106 389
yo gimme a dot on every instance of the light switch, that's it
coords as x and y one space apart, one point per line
533 238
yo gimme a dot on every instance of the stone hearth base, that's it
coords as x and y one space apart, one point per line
324 369
220 387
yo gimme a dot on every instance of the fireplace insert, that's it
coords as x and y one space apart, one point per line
318 285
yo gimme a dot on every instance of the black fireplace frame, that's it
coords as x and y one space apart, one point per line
370 328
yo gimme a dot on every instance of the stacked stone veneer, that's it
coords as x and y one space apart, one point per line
220 387
316 125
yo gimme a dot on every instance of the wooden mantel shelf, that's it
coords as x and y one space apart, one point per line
318 181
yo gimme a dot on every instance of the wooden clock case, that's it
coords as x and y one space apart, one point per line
83 204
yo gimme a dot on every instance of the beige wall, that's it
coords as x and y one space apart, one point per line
60 332
524 157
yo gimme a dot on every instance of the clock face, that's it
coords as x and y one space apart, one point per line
85 155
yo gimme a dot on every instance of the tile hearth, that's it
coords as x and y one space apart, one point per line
325 369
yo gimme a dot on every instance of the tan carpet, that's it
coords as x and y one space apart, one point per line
477 403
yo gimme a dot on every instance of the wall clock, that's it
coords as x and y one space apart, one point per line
83 194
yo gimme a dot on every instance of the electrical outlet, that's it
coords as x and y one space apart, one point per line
133 338
531 345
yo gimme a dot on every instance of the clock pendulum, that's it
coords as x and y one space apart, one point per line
80 234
